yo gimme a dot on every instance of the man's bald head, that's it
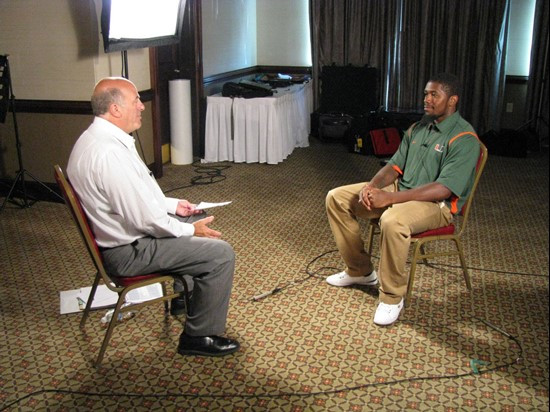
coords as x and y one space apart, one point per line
116 100
108 91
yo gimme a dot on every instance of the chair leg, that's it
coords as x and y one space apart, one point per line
186 297
458 244
90 300
166 305
370 237
423 251
417 248
184 293
109 332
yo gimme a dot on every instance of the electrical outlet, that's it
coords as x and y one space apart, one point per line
509 107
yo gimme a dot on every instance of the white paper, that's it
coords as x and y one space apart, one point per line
208 205
72 301
145 293
69 299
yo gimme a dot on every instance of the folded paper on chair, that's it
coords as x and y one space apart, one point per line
72 301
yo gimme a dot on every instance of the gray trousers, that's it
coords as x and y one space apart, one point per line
210 263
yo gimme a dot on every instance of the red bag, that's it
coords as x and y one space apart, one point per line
385 141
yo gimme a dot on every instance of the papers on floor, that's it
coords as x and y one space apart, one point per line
145 293
72 301
208 205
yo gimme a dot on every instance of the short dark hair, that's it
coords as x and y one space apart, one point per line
449 81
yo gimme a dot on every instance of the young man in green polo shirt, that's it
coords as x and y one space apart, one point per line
422 186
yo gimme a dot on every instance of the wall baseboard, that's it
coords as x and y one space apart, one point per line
165 153
64 106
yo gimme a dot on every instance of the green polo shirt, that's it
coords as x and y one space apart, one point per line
445 152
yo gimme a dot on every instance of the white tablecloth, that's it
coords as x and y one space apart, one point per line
264 130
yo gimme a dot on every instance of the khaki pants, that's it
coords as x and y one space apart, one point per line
397 223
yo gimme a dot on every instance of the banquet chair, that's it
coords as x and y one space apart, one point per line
445 233
120 285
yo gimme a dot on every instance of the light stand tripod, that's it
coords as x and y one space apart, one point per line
19 181
126 75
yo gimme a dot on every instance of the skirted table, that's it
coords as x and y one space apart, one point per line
259 130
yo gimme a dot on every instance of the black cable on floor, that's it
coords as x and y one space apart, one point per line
485 270
333 270
295 282
475 372
207 174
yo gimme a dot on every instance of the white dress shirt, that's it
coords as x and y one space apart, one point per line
119 194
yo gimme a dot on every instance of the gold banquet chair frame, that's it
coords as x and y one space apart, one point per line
120 285
447 233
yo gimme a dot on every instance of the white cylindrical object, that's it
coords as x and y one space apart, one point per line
181 135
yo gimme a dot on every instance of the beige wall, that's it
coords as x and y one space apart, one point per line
56 53
283 33
228 35
238 34
47 139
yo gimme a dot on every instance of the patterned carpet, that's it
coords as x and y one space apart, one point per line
309 347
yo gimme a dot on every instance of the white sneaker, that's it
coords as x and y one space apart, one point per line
387 314
343 279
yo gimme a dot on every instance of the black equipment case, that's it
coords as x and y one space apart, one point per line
334 126
347 92
245 90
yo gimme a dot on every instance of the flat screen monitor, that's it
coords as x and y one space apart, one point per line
134 24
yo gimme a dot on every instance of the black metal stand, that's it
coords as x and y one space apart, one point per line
126 75
19 182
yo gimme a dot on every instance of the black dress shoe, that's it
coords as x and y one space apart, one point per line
178 307
206 345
